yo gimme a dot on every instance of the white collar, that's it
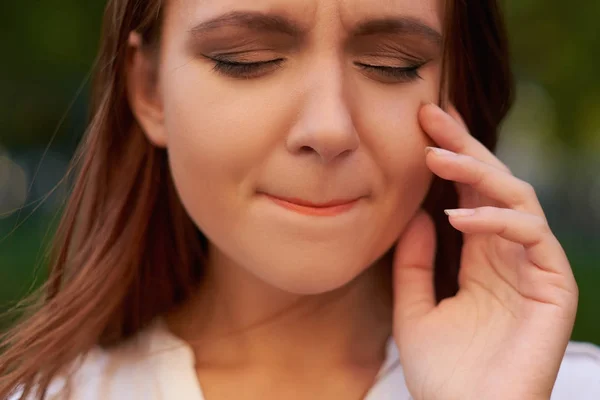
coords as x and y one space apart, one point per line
178 379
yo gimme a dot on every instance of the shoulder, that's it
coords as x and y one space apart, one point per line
123 372
127 371
579 375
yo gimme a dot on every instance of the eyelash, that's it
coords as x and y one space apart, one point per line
400 74
243 70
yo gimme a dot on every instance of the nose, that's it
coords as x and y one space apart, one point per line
324 126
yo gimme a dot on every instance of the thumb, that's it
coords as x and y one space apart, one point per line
414 294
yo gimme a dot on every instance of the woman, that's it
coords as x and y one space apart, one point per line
254 175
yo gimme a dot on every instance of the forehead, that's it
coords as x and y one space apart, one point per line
311 14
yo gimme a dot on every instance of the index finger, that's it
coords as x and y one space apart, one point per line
449 131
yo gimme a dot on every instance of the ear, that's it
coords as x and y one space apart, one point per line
143 91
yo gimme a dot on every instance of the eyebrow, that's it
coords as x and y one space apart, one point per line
398 25
251 20
267 22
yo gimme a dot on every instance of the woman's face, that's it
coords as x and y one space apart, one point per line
268 105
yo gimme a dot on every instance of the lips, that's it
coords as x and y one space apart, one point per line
305 203
328 208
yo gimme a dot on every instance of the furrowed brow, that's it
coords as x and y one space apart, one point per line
255 21
398 26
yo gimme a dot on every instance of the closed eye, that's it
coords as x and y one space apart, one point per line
393 74
245 70
248 70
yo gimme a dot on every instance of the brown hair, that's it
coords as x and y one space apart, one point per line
126 251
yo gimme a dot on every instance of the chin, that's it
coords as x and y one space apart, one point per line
312 275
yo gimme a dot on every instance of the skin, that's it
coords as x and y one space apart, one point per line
319 126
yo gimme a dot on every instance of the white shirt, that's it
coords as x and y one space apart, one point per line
157 365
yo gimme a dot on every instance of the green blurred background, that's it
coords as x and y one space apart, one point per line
551 139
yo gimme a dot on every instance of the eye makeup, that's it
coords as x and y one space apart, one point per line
245 70
243 51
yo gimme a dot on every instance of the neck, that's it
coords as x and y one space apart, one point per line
236 320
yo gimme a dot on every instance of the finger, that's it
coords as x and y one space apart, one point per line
486 179
531 231
413 269
452 134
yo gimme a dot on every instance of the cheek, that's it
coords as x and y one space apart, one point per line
206 129
218 136
206 143
393 134
395 141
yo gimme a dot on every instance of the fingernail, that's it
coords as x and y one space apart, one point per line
460 212
440 152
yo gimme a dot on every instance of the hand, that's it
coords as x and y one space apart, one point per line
504 334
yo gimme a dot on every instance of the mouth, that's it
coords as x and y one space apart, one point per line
329 208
